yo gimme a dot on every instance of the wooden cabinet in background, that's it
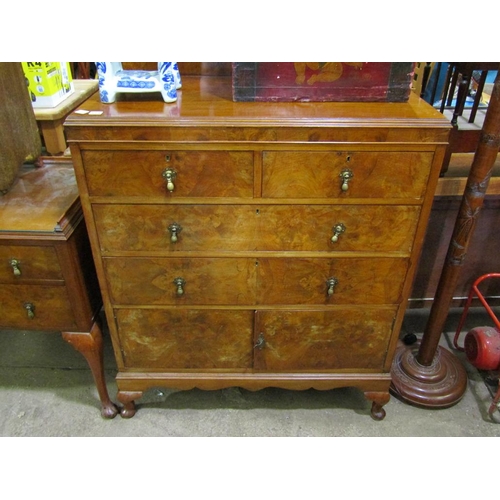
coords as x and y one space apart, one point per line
47 275
255 244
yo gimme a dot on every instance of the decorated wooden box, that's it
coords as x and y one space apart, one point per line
327 81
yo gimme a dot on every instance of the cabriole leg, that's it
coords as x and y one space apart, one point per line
90 345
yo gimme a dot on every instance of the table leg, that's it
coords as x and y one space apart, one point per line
90 345
53 136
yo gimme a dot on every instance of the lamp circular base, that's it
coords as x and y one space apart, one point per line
439 385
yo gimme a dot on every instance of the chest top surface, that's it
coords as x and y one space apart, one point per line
208 101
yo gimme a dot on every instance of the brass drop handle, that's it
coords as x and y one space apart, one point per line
174 229
346 175
15 267
30 310
260 342
169 175
338 229
179 283
331 283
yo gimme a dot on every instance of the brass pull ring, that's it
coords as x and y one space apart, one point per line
169 175
30 310
346 175
331 283
15 267
174 229
179 283
338 229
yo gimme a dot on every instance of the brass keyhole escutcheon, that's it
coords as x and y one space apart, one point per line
180 283
169 174
30 310
338 229
346 175
331 283
15 267
174 229
261 342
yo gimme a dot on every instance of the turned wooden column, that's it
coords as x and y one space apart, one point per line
428 374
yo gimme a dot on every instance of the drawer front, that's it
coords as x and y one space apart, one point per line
247 281
171 228
50 307
312 174
323 340
205 281
31 263
197 173
154 339
306 281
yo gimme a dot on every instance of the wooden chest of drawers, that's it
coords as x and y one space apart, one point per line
255 244
47 276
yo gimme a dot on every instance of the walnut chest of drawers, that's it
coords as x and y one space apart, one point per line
255 244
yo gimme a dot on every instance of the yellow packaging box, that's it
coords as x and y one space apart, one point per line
49 83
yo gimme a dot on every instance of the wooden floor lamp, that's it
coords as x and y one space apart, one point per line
426 374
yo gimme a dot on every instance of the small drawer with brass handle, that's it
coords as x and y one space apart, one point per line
36 307
155 173
19 263
355 174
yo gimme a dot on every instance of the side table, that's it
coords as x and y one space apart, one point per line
51 120
47 275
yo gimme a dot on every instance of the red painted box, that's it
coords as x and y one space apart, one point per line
330 81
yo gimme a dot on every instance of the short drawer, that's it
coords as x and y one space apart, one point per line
154 339
201 281
313 174
24 263
173 228
346 339
192 173
35 307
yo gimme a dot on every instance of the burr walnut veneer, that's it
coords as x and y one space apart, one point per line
255 244
47 276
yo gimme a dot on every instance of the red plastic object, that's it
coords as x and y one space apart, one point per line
482 344
474 291
482 347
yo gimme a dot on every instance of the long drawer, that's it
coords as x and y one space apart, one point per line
173 228
163 340
249 281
